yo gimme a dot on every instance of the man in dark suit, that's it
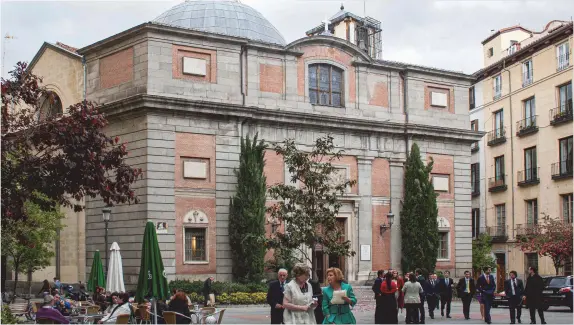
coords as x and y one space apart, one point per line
378 295
486 286
422 281
431 290
514 290
207 290
533 294
445 289
275 297
466 290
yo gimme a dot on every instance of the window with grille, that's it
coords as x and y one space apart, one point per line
443 245
326 85
567 207
195 244
532 212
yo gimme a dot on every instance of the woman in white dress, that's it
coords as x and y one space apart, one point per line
298 298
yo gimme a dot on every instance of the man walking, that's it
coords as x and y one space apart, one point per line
275 297
207 291
514 289
445 289
486 286
377 290
466 291
431 292
533 294
422 281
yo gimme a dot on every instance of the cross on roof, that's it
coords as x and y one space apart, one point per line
326 22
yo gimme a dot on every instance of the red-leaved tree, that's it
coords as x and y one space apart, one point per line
553 238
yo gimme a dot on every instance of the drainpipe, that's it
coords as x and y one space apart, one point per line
85 75
404 78
241 83
511 143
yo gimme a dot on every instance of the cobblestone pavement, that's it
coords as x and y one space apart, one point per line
365 309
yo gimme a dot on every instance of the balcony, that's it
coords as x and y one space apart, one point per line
529 176
475 188
498 234
496 137
497 184
526 229
562 170
563 61
474 147
497 94
561 114
527 78
527 126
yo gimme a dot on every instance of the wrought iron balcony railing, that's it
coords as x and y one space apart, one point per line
474 147
527 126
529 176
562 169
526 229
496 136
527 78
563 61
497 233
562 113
497 184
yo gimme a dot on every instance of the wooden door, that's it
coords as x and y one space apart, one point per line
500 271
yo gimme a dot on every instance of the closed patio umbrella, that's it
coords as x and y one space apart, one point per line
97 278
115 281
152 281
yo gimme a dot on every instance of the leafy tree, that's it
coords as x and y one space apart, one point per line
28 242
307 213
247 214
481 250
419 226
552 238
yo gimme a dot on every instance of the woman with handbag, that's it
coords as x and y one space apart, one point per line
338 299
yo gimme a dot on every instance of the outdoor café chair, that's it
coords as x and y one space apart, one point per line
169 317
123 319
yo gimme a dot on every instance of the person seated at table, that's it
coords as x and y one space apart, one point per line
99 298
111 303
179 305
63 305
189 303
161 307
122 307
49 312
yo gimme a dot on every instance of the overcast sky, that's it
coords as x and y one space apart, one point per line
443 34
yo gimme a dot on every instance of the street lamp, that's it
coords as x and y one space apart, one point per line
106 213
389 224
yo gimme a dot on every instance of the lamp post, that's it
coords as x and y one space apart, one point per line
106 213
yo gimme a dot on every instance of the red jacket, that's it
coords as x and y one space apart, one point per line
390 290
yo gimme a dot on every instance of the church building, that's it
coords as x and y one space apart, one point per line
183 89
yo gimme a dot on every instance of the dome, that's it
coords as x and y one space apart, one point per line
225 17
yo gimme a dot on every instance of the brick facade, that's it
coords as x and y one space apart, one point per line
271 78
444 165
117 68
210 57
380 95
448 90
198 147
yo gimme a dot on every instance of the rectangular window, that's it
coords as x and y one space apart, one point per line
497 86
500 220
529 111
471 97
530 165
565 147
474 125
527 73
325 85
565 97
475 178
443 245
499 123
567 207
475 223
195 244
499 168
563 56
530 259
490 52
532 212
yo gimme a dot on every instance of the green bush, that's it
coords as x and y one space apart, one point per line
242 298
7 317
218 288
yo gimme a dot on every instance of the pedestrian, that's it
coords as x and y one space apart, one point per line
431 293
486 285
445 290
422 281
338 311
377 290
388 299
57 285
318 293
466 289
400 296
275 297
208 291
481 304
514 290
533 295
413 291
298 299
45 288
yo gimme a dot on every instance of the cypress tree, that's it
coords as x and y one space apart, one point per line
247 213
419 226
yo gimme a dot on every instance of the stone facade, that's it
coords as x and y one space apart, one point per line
256 88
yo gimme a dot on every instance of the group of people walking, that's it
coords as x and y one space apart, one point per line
302 302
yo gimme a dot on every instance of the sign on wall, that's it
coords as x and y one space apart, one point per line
365 252
161 227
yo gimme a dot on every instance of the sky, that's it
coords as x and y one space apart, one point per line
444 34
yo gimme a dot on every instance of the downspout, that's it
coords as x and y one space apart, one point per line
85 75
241 83
403 75
511 142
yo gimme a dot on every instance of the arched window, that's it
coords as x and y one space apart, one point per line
51 105
326 85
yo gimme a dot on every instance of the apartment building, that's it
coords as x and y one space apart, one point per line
522 169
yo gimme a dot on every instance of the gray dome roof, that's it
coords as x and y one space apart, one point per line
226 17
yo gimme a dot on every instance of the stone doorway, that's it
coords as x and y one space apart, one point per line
326 261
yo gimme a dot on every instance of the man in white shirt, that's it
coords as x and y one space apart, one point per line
466 290
514 290
122 307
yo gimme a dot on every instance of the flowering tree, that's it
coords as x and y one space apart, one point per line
553 238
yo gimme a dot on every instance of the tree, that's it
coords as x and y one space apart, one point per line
419 226
481 253
309 203
247 214
28 242
552 238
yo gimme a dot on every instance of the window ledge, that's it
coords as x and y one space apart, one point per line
327 105
195 263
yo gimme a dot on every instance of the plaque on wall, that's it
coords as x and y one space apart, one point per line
161 227
365 252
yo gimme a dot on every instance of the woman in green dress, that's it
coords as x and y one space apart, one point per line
338 313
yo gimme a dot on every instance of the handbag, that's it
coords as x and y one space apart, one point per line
212 299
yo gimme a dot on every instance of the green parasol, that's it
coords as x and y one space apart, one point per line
152 281
97 277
